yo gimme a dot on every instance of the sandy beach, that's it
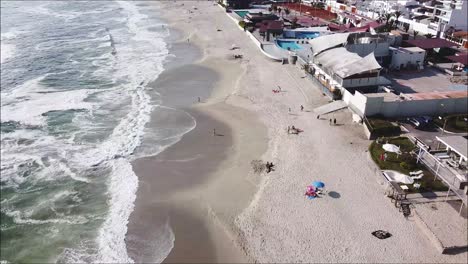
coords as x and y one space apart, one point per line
202 194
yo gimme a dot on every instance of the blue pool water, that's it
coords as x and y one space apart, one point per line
288 44
310 35
242 13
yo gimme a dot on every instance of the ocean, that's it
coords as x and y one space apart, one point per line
75 109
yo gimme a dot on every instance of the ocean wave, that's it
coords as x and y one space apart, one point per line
28 103
19 218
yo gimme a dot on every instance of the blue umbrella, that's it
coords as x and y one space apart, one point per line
318 184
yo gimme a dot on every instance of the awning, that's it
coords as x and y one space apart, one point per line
460 58
431 43
344 63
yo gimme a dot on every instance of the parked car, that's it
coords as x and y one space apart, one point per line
427 119
418 122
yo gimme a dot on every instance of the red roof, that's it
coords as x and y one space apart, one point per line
460 58
431 43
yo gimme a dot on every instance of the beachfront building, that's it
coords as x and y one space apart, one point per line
411 104
345 62
438 17
407 58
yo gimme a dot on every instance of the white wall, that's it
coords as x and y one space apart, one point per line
399 58
370 106
458 18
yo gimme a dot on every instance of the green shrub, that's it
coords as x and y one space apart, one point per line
380 127
242 24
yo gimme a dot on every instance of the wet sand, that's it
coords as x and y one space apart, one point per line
190 194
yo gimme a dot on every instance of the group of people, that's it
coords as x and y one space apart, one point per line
294 130
312 192
269 166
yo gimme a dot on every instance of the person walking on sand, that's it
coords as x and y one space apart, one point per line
318 116
302 108
334 121
199 99
214 132
330 121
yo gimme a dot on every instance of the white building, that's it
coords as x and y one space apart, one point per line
435 18
411 57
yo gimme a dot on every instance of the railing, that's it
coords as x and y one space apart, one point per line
441 172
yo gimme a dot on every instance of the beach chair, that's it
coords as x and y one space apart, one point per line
416 173
417 177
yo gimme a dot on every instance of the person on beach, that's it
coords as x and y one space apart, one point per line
214 132
199 99
289 129
318 116
302 108
330 121
334 121
289 109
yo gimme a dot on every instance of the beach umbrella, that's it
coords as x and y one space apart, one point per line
318 184
402 178
391 148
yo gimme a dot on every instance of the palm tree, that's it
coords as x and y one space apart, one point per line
415 33
397 15
287 11
429 35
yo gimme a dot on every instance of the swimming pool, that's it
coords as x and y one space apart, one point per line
288 44
308 35
241 13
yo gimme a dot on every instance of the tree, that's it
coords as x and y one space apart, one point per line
397 15
279 10
429 35
287 11
270 9
275 8
415 33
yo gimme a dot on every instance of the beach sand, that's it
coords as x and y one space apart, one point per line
220 211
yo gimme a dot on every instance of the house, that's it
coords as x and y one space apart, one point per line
410 57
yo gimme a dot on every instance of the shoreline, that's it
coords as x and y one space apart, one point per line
278 224
198 169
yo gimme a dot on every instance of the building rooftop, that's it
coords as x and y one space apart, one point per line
345 64
431 43
436 95
460 58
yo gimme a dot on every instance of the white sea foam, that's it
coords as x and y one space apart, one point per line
7 52
18 218
122 189
27 104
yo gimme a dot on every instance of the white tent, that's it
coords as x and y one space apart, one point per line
326 42
344 63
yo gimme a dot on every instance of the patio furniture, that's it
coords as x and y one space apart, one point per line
417 186
417 177
404 187
416 173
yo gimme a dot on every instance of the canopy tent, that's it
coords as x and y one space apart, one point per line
431 43
460 58
344 63
326 42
